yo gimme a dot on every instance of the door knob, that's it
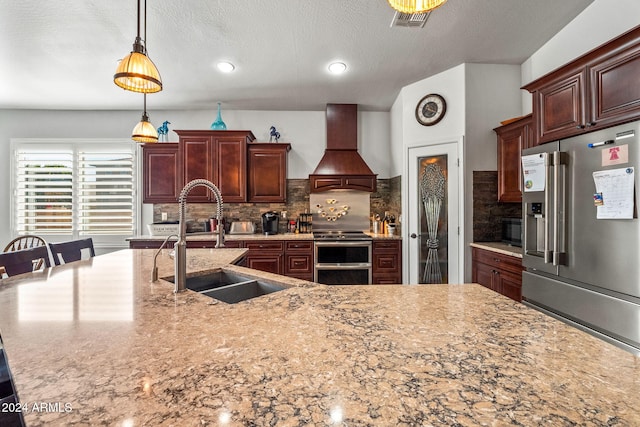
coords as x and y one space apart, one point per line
413 235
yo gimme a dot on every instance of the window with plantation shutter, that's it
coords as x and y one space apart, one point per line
44 191
74 187
105 192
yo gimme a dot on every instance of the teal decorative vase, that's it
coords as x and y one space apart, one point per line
218 124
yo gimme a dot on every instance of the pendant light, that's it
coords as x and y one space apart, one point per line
144 131
136 72
415 6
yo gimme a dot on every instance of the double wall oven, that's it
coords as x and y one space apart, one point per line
342 251
342 258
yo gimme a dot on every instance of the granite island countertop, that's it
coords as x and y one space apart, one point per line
97 335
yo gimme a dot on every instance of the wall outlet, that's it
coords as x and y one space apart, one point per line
164 216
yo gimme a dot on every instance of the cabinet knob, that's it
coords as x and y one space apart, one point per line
580 127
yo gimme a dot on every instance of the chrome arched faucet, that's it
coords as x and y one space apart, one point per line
181 245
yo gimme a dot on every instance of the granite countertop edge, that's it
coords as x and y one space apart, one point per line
255 236
499 247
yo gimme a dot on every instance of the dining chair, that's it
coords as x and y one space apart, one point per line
65 252
24 260
25 242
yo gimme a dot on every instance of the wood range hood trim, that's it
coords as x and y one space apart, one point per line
341 166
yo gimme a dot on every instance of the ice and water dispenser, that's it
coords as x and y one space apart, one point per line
534 228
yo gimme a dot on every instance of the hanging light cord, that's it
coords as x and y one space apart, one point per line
145 26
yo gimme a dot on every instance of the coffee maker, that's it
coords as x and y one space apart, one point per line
270 222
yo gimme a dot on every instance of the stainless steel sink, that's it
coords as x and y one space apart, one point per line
210 280
242 291
229 287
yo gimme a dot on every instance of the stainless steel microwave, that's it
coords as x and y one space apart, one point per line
512 231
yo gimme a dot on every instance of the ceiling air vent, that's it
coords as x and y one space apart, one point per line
410 19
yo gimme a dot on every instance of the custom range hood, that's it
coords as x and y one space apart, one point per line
341 167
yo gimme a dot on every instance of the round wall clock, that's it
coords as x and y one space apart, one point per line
431 109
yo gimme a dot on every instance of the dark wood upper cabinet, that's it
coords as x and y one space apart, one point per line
197 162
231 168
560 107
597 90
160 164
615 88
267 170
512 139
218 156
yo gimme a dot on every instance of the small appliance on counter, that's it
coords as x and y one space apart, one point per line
164 228
270 222
242 227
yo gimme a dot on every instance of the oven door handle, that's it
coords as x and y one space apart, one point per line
344 266
345 243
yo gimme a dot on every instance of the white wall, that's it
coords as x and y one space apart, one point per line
396 135
492 95
305 130
478 97
600 22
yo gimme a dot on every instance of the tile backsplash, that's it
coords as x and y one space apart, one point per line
487 211
386 198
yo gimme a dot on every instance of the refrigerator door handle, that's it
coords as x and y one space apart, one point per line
560 205
547 199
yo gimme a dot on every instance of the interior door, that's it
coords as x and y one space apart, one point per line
434 213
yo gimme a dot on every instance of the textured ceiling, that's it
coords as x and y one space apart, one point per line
62 54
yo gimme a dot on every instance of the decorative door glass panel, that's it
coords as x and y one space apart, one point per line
434 230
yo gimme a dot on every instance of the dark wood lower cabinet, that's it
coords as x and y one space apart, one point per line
387 262
294 258
298 259
498 272
265 255
155 244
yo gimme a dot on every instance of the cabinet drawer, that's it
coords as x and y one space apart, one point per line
233 244
298 264
386 246
265 246
271 263
498 260
299 246
386 263
148 244
200 244
387 280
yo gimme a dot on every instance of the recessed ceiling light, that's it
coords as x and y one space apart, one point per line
337 67
226 67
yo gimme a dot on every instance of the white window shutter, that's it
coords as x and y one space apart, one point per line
44 192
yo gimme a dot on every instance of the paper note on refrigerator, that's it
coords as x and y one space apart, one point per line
533 172
616 188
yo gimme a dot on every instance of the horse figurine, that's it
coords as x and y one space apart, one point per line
164 130
273 133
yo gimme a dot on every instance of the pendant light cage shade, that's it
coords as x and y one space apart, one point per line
144 131
137 73
415 6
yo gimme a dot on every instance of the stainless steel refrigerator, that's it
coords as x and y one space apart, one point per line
581 233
